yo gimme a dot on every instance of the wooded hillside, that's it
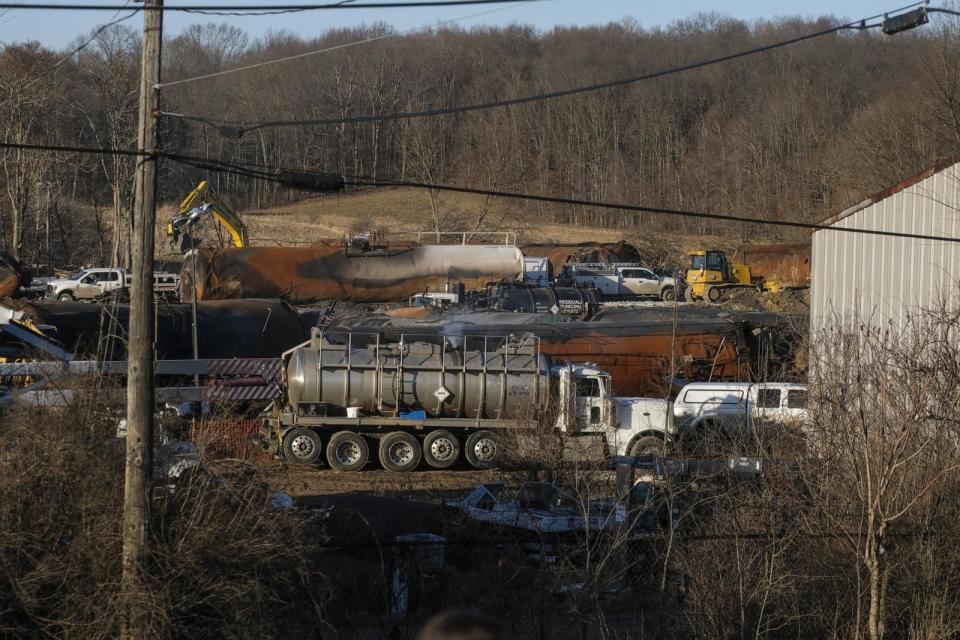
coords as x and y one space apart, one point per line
797 133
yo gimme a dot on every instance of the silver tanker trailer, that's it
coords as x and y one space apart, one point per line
415 399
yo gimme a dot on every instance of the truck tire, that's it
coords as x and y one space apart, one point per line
399 451
347 451
441 449
669 294
646 446
302 446
481 450
714 294
66 296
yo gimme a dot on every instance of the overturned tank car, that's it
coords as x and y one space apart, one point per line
380 274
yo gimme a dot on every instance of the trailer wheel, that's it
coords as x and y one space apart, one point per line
714 294
399 451
347 451
481 450
302 446
441 449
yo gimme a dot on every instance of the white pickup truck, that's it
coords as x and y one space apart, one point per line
620 279
703 407
91 283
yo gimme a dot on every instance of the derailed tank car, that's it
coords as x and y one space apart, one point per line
311 274
225 328
644 354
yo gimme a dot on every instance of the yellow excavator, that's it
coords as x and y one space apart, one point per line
202 201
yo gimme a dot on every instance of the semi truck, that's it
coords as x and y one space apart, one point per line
413 399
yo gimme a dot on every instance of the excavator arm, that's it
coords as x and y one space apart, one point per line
201 201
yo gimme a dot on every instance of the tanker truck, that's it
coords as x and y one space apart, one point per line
413 400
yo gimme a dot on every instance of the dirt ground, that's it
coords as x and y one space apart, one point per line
315 481
396 211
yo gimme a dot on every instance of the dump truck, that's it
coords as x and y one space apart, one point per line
413 400
770 267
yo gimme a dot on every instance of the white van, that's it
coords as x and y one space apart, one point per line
736 406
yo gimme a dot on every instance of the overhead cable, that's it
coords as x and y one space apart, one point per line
263 171
83 45
345 45
249 10
236 128
312 179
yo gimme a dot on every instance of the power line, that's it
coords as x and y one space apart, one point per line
281 176
298 56
237 128
263 173
83 45
247 10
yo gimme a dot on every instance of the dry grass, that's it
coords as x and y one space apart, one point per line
396 210
222 565
390 211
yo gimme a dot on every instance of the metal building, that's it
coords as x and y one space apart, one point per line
881 279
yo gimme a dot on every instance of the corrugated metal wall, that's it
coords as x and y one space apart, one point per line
882 279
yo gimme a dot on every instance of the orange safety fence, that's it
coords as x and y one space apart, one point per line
219 439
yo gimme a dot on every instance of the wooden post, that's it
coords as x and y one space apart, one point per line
140 353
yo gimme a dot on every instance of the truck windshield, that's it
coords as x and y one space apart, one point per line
588 387
77 275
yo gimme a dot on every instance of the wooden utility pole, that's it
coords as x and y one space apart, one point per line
140 396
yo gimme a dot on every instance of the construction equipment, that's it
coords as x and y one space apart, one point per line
772 268
202 201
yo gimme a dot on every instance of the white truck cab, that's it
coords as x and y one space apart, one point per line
629 426
736 406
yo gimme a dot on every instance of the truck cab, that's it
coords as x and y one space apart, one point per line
629 426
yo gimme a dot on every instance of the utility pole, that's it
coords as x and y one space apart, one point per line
140 352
